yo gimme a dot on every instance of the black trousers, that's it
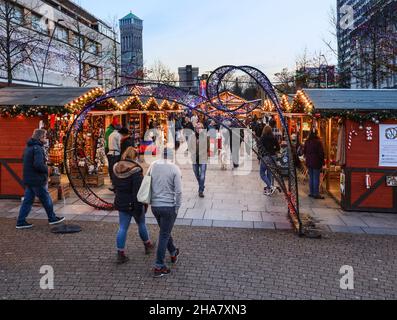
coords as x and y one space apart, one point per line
112 160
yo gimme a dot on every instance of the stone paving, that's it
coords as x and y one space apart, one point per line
215 264
233 199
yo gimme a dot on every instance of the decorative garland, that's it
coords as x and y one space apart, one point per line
358 116
38 111
31 111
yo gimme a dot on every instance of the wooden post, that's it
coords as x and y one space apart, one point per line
328 149
301 131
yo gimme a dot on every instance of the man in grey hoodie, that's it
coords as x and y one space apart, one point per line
166 199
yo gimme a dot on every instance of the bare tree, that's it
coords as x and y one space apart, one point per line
86 53
374 45
113 56
285 81
303 63
161 73
18 39
228 82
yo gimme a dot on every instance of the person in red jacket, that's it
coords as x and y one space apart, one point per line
315 159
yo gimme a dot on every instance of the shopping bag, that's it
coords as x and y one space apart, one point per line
145 191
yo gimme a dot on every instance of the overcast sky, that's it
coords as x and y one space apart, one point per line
268 34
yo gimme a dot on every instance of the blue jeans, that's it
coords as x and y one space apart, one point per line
199 171
44 197
314 181
266 175
125 222
166 219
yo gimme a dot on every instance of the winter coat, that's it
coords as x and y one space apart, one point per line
269 145
108 132
314 154
35 170
128 176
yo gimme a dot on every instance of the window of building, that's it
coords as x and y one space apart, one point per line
91 47
38 23
75 40
16 14
62 33
91 72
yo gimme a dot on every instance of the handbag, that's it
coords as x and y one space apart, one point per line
145 191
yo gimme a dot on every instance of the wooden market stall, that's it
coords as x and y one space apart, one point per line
24 109
359 132
232 102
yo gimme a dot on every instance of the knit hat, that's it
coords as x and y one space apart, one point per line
115 122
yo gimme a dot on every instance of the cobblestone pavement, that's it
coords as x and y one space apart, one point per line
216 263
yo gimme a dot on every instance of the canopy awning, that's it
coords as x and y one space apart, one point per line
351 99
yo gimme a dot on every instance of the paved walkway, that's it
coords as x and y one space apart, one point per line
233 199
216 263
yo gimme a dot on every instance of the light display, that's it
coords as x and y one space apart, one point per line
178 98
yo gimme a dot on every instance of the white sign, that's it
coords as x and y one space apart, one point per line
388 145
342 183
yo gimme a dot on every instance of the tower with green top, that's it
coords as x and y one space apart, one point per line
131 30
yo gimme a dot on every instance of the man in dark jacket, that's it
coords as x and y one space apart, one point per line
126 140
188 130
35 178
314 154
128 177
268 148
199 148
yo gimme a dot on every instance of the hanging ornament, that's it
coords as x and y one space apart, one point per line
352 133
361 127
368 181
369 134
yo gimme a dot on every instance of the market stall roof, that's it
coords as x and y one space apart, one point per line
55 97
352 99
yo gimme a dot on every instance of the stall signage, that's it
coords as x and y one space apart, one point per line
391 181
388 145
342 183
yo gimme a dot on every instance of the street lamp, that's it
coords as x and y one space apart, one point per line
48 50
326 71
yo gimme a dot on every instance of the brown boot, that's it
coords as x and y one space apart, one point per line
149 247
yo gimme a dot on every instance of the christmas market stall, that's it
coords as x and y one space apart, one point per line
359 132
24 109
232 102
297 113
145 113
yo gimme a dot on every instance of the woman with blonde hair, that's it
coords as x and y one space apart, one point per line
128 175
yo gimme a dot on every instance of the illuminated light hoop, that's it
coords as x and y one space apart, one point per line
291 191
188 100
159 91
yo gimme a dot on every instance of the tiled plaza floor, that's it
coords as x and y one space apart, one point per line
232 199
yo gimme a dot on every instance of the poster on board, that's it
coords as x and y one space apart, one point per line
388 145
